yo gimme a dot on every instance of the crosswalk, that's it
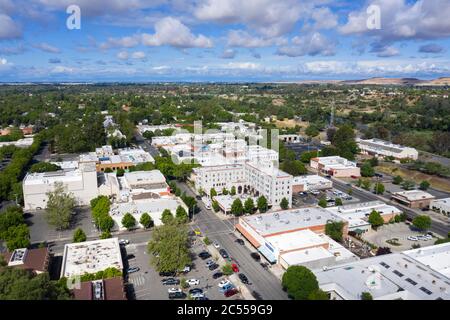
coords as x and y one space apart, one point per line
138 280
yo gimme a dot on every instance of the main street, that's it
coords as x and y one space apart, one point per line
263 281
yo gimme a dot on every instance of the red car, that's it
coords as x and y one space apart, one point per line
235 267
231 292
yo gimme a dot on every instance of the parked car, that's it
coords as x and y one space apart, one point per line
230 292
255 256
167 274
173 290
193 282
170 281
217 275
412 238
198 197
213 266
131 256
204 255
124 242
209 262
186 269
234 267
224 283
216 245
197 296
195 290
239 241
133 269
223 253
203 297
354 177
243 278
177 295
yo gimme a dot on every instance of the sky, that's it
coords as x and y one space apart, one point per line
222 40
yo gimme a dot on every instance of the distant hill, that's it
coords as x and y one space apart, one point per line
443 81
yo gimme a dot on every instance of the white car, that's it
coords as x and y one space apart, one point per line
124 241
197 295
216 245
412 238
193 282
224 283
174 290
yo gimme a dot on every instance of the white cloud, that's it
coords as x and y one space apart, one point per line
46 47
3 61
243 65
324 18
312 44
170 31
122 55
8 28
241 38
270 18
138 55
62 69
228 54
401 19
125 42
388 52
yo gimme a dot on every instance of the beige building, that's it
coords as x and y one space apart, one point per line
335 166
413 198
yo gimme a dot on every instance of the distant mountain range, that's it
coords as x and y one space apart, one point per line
443 81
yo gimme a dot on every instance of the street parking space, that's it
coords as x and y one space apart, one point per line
395 236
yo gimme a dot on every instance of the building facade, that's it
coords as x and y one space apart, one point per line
381 148
335 166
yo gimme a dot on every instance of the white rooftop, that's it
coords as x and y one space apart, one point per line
296 240
286 220
436 257
312 179
144 177
306 255
414 195
91 257
335 162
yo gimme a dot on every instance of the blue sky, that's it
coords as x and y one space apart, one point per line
223 40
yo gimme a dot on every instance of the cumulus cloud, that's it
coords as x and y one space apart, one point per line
9 29
401 19
62 69
431 48
125 42
123 55
270 18
228 54
170 31
241 38
43 46
324 18
384 51
313 44
138 55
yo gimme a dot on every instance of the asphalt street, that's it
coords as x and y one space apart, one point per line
263 282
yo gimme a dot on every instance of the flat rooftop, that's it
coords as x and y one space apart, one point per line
384 145
436 257
50 178
413 195
363 209
296 240
306 255
287 220
144 177
311 179
91 257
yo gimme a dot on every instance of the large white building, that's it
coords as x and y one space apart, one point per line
310 183
381 148
81 182
335 166
419 274
249 178
90 257
441 205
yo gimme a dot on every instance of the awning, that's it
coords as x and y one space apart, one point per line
267 253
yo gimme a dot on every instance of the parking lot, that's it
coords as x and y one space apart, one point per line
146 284
312 197
397 233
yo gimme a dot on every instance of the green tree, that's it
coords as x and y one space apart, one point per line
146 221
422 222
227 269
17 237
397 180
212 193
312 130
181 215
167 216
105 235
171 241
294 167
79 235
375 219
60 206
215 206
299 282
120 172
233 191
378 188
237 208
105 223
424 185
338 201
318 295
367 170
335 230
249 206
262 204
224 191
408 185
44 167
366 184
366 296
128 221
323 202
284 204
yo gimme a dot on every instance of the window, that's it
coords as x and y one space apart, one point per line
411 281
385 265
398 273
426 290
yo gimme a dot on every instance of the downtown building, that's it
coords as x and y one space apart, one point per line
380 148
